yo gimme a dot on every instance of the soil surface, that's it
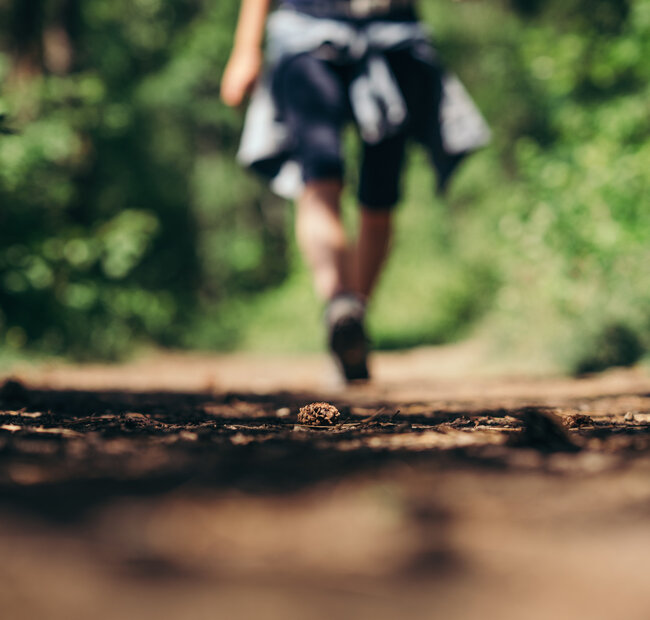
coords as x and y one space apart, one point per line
183 486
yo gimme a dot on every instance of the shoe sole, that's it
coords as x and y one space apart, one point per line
349 346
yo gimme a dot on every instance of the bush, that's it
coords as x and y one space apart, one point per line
122 210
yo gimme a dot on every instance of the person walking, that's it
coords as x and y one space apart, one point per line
328 63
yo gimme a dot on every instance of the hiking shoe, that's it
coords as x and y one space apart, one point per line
347 337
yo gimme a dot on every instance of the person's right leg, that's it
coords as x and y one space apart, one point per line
371 249
379 189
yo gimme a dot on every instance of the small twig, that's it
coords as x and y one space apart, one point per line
378 414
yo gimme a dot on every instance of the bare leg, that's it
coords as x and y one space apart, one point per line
321 237
375 232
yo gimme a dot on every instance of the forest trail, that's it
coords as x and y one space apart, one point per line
182 486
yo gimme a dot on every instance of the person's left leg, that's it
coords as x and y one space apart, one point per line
314 94
314 106
321 237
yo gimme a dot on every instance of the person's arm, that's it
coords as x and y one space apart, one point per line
245 62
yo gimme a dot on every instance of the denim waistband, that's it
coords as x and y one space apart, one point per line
356 10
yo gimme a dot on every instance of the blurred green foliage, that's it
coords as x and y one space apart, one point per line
568 228
124 218
122 212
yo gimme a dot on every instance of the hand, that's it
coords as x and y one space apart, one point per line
240 75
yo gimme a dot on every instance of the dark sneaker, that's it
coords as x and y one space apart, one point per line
346 336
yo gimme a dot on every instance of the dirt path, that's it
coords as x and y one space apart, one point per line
182 486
